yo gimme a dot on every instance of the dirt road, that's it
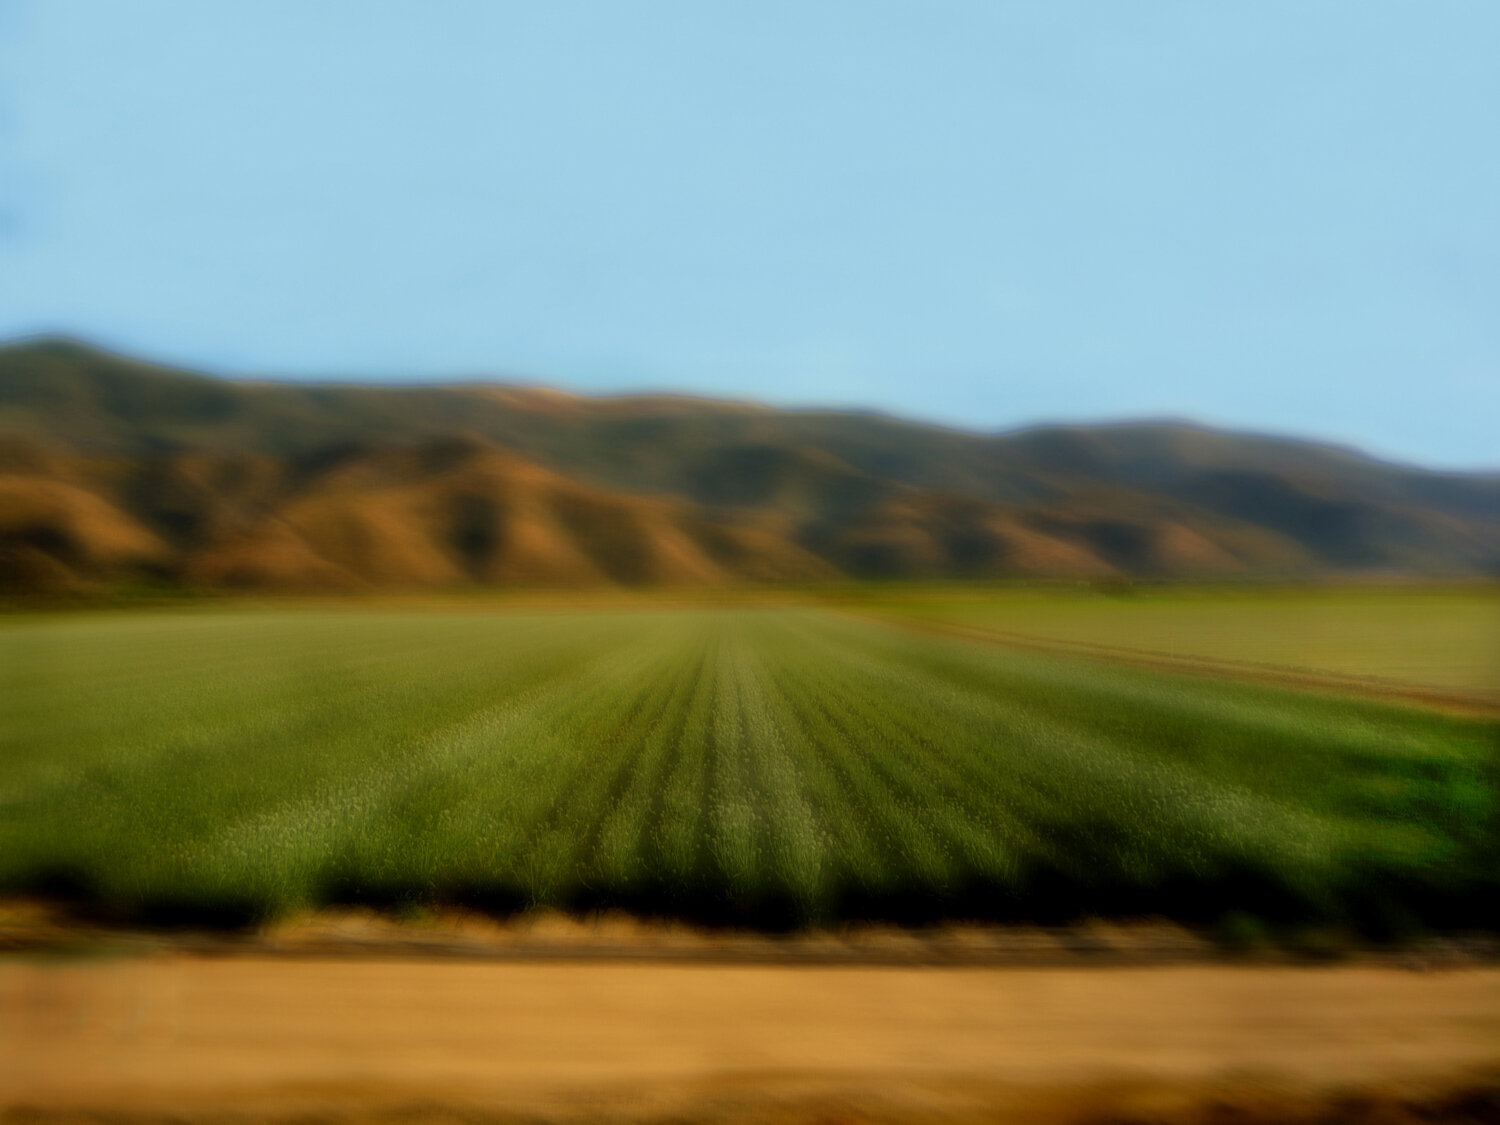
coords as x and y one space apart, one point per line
192 1037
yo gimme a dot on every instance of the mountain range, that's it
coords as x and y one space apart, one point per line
114 470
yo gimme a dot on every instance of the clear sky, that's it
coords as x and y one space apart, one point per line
1271 215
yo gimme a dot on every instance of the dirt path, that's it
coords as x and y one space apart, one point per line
197 1038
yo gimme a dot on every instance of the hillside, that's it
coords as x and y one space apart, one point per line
111 469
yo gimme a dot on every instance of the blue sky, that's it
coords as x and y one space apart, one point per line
1280 216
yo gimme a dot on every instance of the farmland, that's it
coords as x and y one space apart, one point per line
1416 641
757 764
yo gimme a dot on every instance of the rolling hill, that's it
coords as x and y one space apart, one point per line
113 470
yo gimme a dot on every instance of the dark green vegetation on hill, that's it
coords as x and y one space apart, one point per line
757 765
113 471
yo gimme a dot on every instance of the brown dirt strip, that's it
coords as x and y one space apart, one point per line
187 1039
42 928
1484 704
36 928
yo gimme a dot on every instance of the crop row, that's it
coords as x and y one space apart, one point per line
768 767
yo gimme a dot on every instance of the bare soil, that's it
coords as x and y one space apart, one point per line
36 927
190 1037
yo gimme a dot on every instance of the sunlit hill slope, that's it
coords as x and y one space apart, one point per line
113 470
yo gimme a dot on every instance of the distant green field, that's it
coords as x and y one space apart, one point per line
1443 640
760 765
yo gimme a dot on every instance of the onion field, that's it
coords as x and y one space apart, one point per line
762 766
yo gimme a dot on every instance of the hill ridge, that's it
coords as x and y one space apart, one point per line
112 468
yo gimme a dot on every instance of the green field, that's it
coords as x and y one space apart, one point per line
1434 640
759 765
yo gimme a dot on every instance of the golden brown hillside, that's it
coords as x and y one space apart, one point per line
114 470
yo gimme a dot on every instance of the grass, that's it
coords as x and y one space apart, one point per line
1442 640
764 766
